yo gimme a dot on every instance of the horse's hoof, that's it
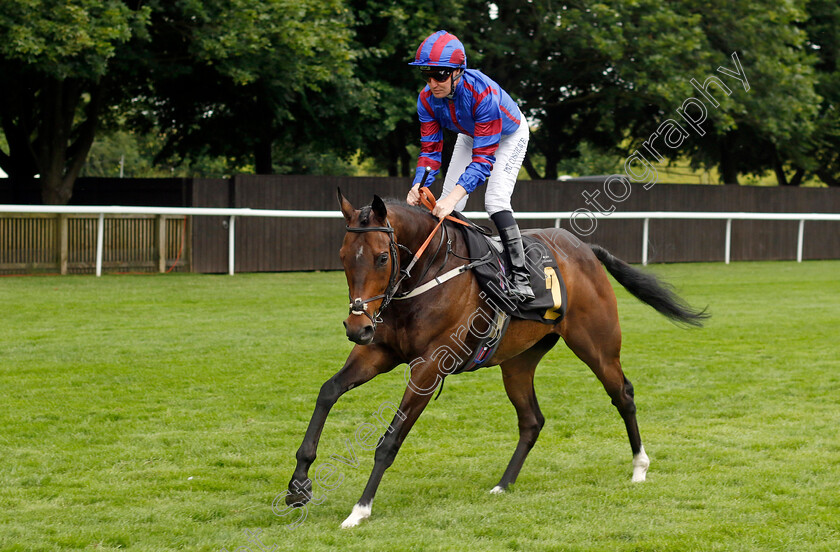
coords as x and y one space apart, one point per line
296 499
299 493
641 462
497 490
356 516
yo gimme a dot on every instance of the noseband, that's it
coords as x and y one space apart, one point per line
358 305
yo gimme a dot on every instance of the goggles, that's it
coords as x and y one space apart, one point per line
440 75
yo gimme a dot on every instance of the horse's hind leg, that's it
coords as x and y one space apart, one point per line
596 339
518 377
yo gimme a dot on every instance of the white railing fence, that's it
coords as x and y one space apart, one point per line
557 217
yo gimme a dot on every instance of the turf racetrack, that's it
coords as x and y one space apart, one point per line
163 413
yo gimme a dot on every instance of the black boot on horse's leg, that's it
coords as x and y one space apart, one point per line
520 281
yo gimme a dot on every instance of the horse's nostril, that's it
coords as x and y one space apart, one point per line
362 336
345 324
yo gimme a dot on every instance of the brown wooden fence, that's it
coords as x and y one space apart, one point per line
66 244
312 244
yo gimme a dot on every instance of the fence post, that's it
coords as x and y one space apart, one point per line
187 237
231 244
62 242
728 247
100 237
799 241
160 242
645 234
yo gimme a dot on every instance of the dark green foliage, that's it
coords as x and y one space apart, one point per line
299 86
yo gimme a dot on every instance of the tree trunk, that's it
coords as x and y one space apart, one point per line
728 166
262 157
53 191
530 169
406 165
828 177
391 160
58 106
551 161
781 177
59 158
798 176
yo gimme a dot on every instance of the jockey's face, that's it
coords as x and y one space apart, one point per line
443 89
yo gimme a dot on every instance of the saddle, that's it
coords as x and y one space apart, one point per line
548 306
488 265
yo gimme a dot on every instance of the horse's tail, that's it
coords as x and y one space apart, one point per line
649 289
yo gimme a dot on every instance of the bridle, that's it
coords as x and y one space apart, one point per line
358 306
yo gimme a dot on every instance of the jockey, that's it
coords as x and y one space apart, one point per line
491 144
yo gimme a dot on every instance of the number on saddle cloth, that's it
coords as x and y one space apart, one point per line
548 307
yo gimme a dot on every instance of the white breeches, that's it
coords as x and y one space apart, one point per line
500 185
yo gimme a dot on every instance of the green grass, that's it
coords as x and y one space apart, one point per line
163 413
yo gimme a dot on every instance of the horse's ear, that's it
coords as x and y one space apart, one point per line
347 208
378 207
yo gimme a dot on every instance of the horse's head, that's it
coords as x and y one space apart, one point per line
371 265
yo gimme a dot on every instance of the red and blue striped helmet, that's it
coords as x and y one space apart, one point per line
441 49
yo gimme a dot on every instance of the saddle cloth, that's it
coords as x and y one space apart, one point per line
548 307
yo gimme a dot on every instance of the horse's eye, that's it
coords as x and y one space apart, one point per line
382 259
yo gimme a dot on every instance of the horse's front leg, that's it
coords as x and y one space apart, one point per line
362 365
422 383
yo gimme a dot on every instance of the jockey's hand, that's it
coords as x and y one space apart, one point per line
445 206
413 195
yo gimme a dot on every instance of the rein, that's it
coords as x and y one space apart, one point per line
358 306
428 201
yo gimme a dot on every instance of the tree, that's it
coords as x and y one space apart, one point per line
245 79
587 72
823 29
770 127
608 73
132 155
54 63
218 77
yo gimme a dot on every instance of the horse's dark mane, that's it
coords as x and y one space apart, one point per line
365 212
401 203
391 201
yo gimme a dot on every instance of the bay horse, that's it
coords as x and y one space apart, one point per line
376 251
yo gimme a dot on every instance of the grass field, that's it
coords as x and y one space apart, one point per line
163 413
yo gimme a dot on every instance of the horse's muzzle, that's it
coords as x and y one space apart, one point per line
361 334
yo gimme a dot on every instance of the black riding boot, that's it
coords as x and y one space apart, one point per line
520 281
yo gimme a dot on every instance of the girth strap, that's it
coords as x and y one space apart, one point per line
438 280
